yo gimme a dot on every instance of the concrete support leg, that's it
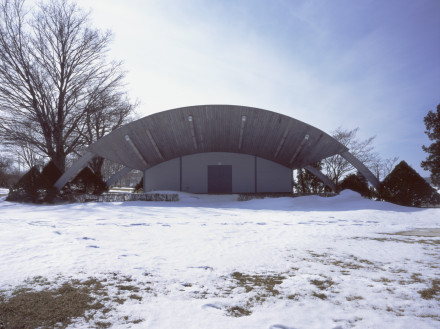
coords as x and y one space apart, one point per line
361 168
327 181
121 173
74 170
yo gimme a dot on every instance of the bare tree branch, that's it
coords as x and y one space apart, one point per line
337 167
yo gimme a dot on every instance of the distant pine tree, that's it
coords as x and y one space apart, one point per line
51 173
406 187
139 186
432 162
87 182
357 183
28 188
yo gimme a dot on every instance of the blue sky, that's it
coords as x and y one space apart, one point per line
342 63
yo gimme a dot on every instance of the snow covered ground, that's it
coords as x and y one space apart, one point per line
214 262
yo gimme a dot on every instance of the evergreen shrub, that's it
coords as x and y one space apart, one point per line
356 183
50 174
404 186
139 188
36 187
29 188
87 182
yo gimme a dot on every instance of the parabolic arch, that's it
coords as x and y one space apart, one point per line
186 131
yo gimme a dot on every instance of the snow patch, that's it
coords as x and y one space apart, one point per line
212 261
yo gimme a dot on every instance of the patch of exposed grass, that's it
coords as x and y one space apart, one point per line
363 261
40 303
397 312
200 294
433 241
262 285
134 296
383 279
130 288
37 281
316 255
49 307
266 283
238 311
103 324
431 292
346 265
416 277
319 295
119 300
350 262
322 284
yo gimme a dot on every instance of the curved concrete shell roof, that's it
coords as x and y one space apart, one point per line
167 135
216 128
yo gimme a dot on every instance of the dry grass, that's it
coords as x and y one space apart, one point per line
130 288
433 241
238 311
322 284
265 283
416 277
349 262
39 303
50 307
431 292
383 279
319 295
136 297
262 285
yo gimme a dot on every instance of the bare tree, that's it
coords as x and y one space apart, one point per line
383 167
109 168
110 112
53 74
336 166
28 156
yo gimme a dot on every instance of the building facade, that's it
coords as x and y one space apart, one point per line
218 172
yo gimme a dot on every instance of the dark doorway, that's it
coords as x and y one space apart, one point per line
220 179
